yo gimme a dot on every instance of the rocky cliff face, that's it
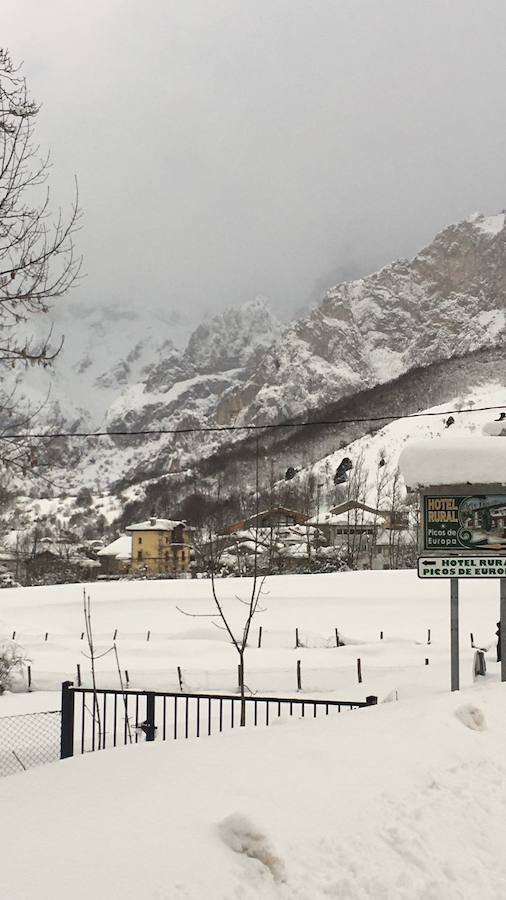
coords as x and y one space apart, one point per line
184 388
242 367
448 301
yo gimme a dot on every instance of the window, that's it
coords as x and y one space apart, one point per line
139 540
139 554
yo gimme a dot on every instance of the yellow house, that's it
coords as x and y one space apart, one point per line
159 547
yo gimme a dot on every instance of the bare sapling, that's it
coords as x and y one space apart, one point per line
124 694
238 635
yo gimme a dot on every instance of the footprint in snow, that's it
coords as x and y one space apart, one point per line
238 833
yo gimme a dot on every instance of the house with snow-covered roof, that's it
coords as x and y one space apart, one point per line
275 517
115 558
159 547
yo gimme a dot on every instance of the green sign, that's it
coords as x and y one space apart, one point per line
476 522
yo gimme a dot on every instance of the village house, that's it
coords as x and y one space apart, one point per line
348 518
159 547
376 538
280 548
275 517
116 558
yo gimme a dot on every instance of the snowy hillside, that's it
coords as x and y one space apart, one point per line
386 445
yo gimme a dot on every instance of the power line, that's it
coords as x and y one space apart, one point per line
219 429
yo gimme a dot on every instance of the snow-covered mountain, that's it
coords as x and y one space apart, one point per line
417 333
448 301
181 388
105 348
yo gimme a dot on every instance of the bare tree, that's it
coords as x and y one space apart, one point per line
37 259
238 636
381 483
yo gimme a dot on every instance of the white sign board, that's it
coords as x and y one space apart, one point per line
461 567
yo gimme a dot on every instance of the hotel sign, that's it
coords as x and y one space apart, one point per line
459 567
455 523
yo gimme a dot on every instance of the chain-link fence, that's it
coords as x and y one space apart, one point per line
29 740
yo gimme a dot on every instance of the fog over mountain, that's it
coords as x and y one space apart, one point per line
236 148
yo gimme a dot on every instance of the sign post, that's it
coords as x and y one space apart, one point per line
454 634
502 631
463 535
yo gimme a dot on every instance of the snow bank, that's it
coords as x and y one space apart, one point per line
454 461
399 801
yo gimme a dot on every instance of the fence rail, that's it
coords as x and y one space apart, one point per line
95 720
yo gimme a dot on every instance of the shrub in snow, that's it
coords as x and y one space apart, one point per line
238 833
12 664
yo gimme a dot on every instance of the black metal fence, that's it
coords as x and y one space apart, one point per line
95 720
29 740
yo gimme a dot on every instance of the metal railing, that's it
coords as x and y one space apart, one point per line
95 720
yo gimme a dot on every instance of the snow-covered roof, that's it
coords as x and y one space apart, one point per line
246 546
465 460
121 548
156 525
353 517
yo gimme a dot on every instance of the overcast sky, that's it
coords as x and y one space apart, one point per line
228 148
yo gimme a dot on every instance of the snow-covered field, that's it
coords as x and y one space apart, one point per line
401 801
360 605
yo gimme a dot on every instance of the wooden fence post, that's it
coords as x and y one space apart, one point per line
180 677
299 676
297 645
260 637
359 671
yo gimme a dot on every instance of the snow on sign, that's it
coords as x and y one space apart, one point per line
458 522
458 567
